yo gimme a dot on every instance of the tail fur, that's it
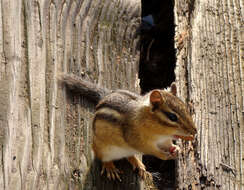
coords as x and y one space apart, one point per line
87 89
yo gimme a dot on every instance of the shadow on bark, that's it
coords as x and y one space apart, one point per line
130 179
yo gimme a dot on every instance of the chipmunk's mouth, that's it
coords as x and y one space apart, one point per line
163 143
186 138
168 149
163 148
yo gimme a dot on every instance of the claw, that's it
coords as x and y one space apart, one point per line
111 170
118 177
113 176
108 176
137 164
102 170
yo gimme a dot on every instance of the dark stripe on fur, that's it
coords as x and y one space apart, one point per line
108 118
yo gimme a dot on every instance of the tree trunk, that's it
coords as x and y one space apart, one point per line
45 129
210 74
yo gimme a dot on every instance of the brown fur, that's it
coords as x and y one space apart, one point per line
137 126
129 123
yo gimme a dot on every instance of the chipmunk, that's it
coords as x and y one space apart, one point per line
126 124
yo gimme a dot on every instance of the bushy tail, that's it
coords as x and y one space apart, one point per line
87 89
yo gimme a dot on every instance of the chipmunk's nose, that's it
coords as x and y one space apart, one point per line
194 130
191 129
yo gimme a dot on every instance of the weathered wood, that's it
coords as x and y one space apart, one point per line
46 130
210 74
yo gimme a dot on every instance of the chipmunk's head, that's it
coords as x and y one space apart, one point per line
172 114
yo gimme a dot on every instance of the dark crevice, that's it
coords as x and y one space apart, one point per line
158 57
156 70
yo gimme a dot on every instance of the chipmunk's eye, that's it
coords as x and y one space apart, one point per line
171 116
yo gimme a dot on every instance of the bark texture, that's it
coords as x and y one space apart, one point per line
45 130
211 68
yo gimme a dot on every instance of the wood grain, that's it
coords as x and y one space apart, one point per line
210 74
45 131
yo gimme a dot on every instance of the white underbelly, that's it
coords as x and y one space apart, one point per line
116 153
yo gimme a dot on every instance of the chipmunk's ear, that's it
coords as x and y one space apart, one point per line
173 89
156 98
